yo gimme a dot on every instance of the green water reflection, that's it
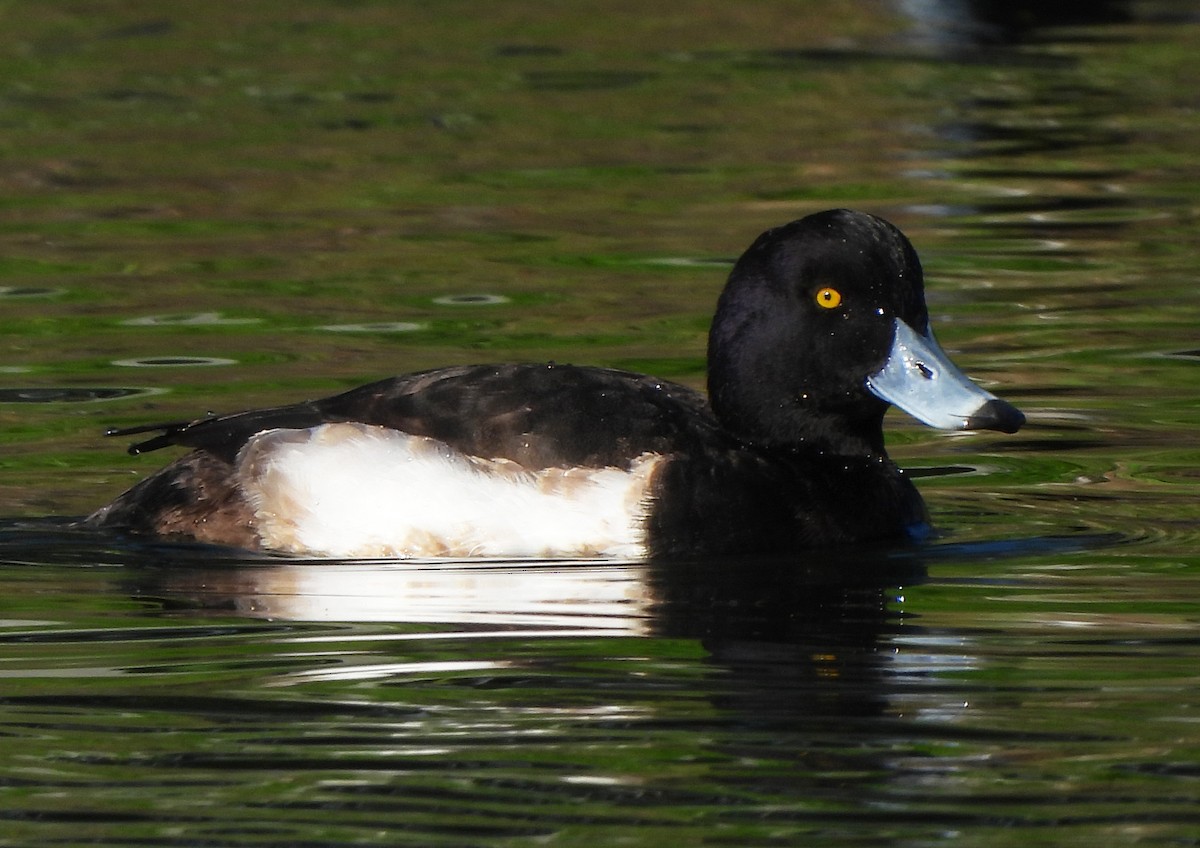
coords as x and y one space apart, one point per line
227 205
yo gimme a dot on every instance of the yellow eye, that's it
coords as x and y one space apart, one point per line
828 297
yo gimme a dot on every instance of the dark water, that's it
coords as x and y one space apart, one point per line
235 205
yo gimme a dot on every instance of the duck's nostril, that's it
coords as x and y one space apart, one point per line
926 372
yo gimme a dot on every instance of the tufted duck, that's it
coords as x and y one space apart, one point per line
820 327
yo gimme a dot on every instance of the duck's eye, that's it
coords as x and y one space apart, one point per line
828 297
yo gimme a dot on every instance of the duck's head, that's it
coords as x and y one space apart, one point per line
821 326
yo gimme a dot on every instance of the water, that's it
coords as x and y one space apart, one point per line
220 207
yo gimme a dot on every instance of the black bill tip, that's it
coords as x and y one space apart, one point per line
996 414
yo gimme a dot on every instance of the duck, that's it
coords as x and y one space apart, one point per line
822 326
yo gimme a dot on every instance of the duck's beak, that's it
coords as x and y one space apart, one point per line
919 378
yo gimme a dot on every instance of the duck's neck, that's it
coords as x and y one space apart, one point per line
791 427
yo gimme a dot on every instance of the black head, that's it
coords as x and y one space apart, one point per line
810 313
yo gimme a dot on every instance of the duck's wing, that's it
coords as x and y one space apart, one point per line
537 415
541 417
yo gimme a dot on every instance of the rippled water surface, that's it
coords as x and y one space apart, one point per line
232 205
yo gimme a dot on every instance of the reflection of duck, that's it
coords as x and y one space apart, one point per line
822 324
793 641
595 597
720 599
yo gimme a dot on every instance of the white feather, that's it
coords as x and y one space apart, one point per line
353 490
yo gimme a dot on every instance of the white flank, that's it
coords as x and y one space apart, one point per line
352 490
